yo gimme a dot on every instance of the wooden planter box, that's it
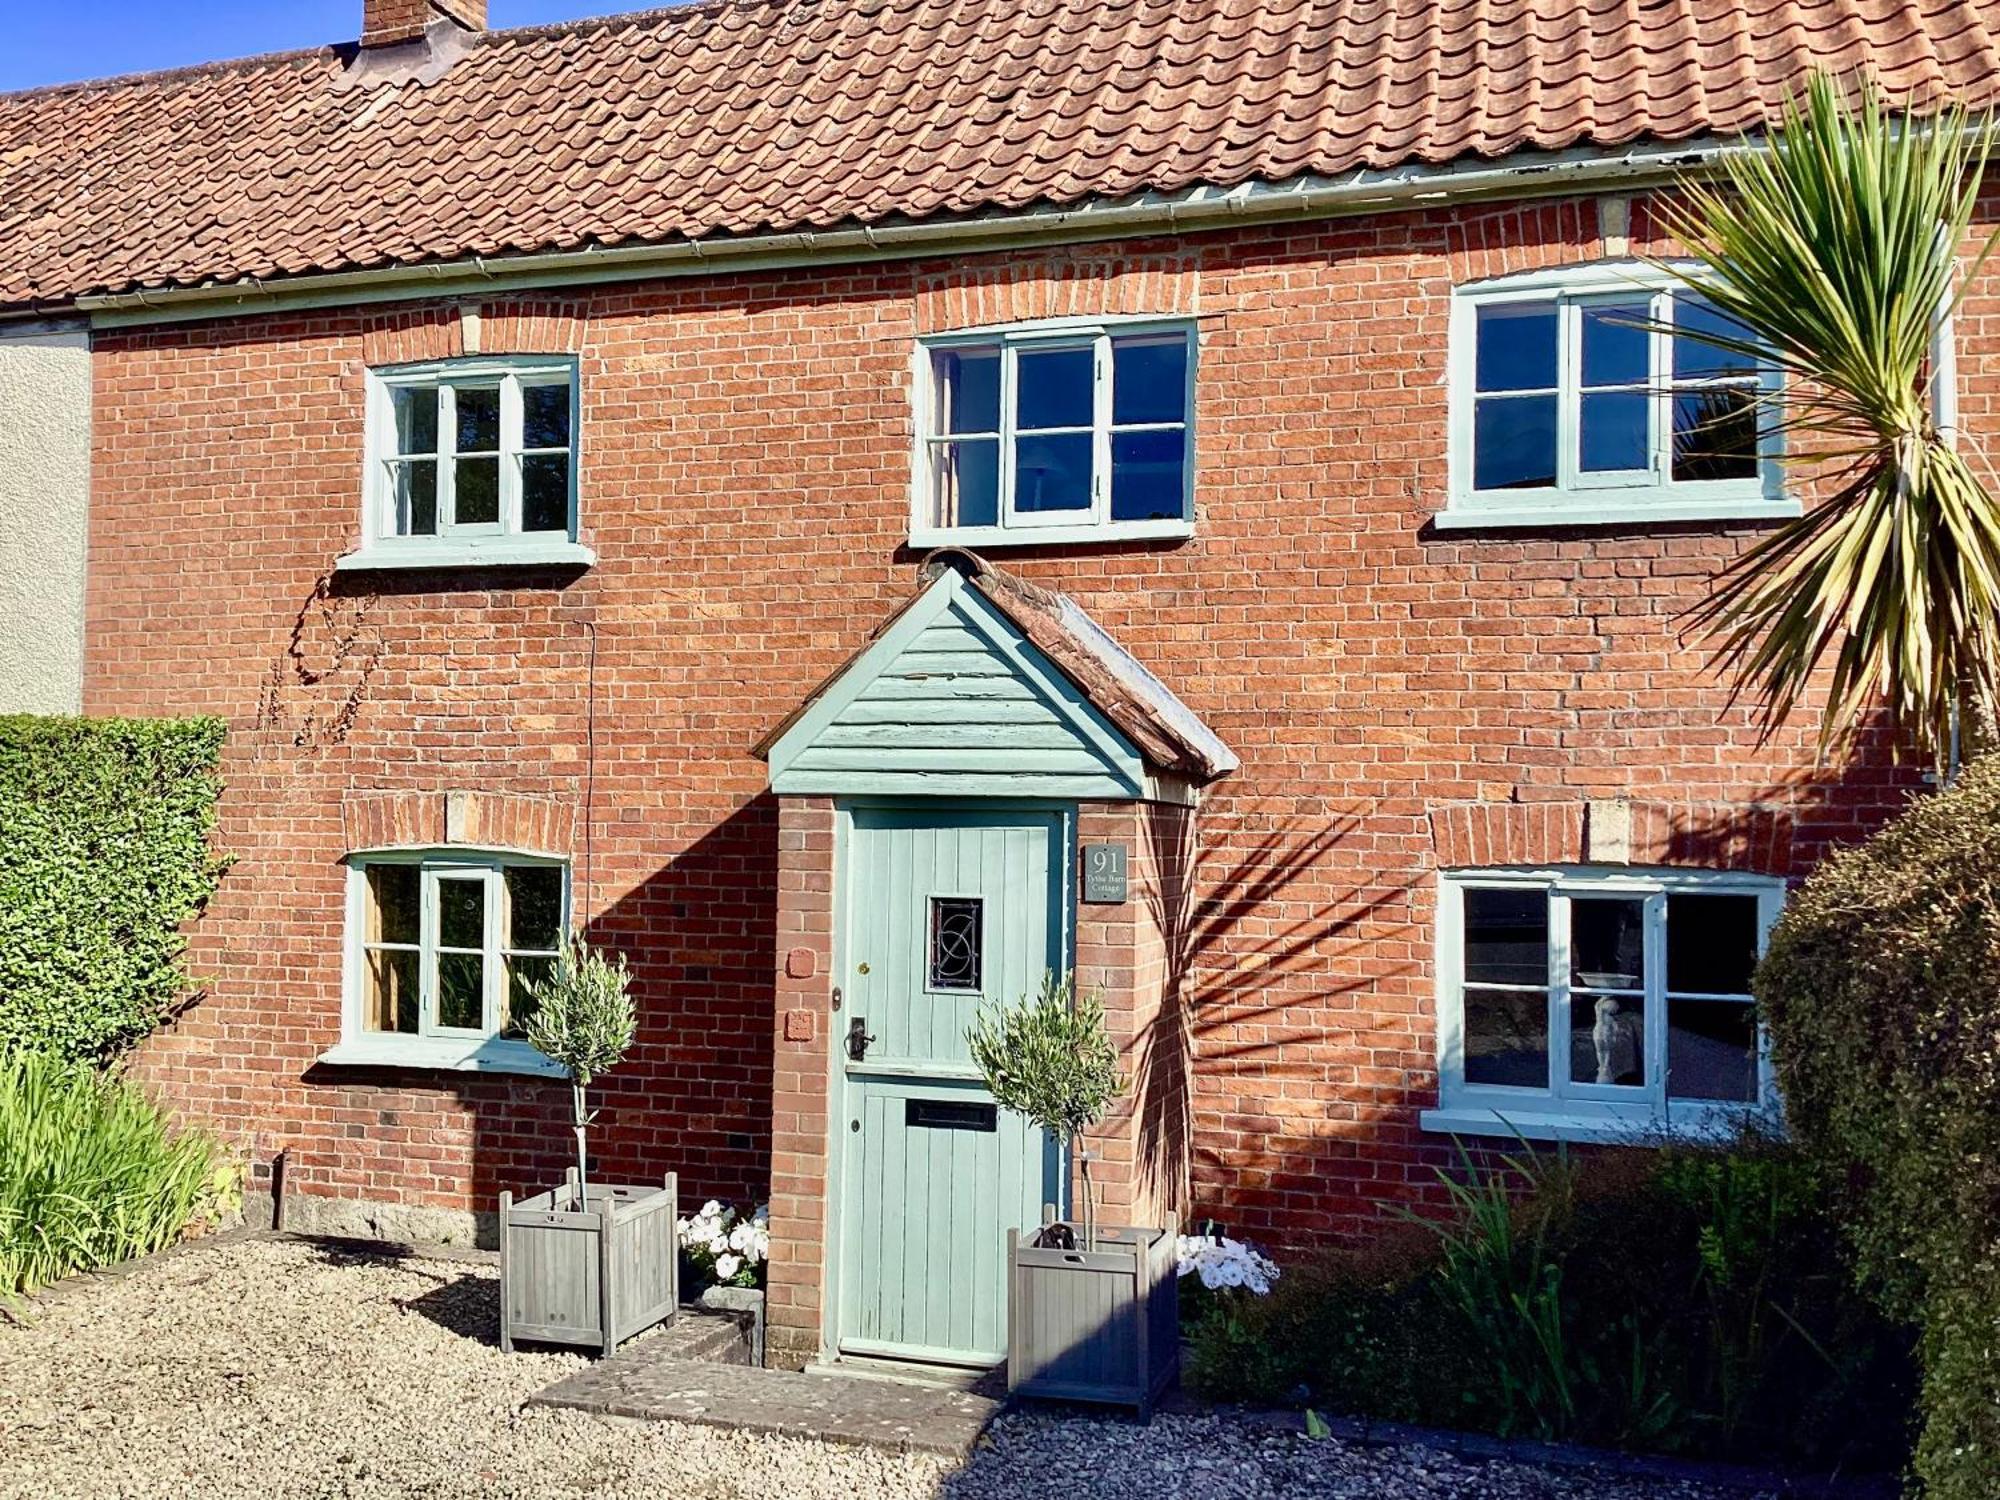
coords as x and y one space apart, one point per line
1094 1325
593 1276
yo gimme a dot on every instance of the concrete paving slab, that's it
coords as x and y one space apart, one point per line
640 1383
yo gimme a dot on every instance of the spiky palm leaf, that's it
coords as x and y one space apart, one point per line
1835 252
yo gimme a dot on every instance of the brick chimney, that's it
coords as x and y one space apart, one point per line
385 22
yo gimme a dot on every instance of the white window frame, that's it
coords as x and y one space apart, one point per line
1018 528
434 1045
1577 498
488 543
1564 1109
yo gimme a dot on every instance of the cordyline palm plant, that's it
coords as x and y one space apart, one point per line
1049 1057
1835 252
584 1019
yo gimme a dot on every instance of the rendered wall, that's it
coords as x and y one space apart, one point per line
44 516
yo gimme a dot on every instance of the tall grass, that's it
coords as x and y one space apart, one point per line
91 1172
1685 1300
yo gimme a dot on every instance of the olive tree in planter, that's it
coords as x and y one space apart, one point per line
1091 1315
586 1263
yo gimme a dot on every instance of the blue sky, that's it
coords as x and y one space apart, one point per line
95 38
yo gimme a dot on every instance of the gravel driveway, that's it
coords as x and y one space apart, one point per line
272 1369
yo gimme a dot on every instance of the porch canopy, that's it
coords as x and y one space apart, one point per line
986 685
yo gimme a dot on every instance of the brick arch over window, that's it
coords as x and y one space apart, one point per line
1749 837
435 820
1064 285
452 330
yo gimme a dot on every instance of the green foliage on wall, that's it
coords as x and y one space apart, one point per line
1882 989
104 852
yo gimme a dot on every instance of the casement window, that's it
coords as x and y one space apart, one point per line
441 949
1594 1003
1055 432
471 461
1571 406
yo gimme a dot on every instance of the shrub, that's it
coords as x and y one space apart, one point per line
1879 988
1681 1300
583 1018
1049 1057
92 1173
104 827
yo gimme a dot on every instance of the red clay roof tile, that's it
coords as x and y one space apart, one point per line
743 116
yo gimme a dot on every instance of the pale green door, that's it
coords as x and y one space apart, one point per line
942 907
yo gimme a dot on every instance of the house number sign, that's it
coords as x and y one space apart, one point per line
1104 873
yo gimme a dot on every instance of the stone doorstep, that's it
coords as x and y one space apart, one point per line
649 1381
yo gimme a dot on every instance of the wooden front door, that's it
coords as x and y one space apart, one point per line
942 907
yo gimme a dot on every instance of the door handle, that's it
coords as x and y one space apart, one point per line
858 1039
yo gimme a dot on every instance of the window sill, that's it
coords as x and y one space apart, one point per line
498 552
487 1055
1609 509
1685 1122
987 537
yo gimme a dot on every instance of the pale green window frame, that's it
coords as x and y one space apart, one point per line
433 1044
1561 1108
1580 498
1015 527
510 377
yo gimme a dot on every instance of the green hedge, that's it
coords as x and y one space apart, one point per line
1882 990
104 852
1680 1301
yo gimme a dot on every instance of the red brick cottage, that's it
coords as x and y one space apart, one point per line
858 503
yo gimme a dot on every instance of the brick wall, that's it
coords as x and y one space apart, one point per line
744 481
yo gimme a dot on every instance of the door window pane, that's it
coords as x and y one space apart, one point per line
955 942
1054 388
1516 347
1712 1050
461 995
1506 937
1148 381
1507 1037
1711 944
1514 443
1052 473
1148 476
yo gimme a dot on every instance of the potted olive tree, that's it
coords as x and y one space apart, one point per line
1091 1310
586 1263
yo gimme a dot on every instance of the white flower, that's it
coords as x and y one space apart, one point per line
726 1266
1225 1263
